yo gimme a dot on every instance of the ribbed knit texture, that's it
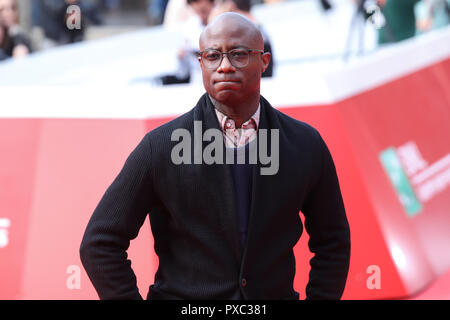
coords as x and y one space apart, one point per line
193 217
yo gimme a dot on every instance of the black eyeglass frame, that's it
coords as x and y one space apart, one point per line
200 55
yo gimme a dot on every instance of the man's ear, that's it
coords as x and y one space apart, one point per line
265 57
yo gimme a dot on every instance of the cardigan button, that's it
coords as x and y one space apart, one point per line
243 282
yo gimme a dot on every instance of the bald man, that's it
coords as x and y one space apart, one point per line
223 185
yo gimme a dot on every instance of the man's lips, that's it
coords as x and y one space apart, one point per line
226 80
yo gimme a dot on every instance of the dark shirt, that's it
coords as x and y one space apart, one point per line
242 174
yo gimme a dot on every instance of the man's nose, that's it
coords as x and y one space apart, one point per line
225 65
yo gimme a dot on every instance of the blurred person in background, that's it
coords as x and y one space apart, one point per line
400 20
243 7
4 42
13 41
177 11
65 34
326 5
52 17
188 69
432 14
365 11
111 5
155 11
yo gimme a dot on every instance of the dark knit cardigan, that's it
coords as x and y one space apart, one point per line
193 219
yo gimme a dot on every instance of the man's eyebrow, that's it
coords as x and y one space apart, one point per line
230 48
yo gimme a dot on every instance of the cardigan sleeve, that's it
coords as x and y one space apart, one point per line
328 229
115 221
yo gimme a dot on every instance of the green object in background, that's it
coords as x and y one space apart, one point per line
400 21
393 168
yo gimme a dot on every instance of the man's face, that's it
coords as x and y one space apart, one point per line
228 84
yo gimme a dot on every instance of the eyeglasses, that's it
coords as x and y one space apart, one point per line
238 58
